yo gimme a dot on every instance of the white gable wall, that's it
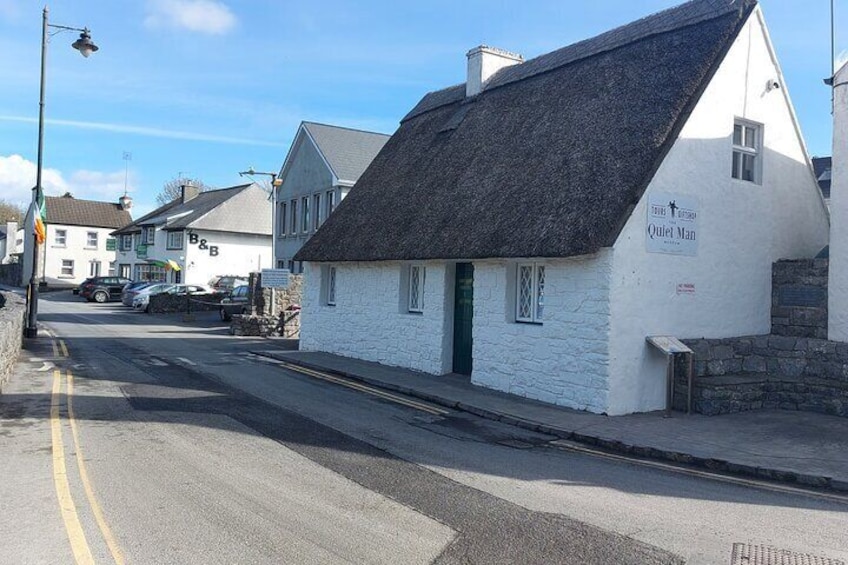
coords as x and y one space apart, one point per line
743 228
838 276
369 321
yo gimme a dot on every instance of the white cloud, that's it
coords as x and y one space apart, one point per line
145 131
17 177
203 16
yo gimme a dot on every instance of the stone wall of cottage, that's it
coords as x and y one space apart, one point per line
565 359
369 320
11 274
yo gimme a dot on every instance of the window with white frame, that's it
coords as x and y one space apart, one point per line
293 226
149 235
91 240
316 206
747 141
331 286
281 220
331 202
417 275
67 268
530 293
94 268
60 238
112 269
304 214
175 240
126 242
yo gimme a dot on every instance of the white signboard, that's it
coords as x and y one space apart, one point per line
275 278
672 225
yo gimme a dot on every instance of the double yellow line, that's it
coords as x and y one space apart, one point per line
76 534
430 409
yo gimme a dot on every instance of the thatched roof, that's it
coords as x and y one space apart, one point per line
548 161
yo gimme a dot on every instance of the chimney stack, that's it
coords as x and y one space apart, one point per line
188 191
483 62
125 202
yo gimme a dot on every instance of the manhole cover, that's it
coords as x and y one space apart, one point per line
747 554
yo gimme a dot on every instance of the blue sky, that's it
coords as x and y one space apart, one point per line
208 88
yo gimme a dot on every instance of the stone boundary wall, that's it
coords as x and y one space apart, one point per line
286 303
12 310
171 303
767 371
799 298
11 274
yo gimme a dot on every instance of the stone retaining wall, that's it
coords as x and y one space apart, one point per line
169 303
286 300
799 298
12 310
768 371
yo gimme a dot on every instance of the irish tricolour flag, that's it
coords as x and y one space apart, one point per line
39 216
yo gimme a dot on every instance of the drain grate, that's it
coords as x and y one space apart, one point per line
747 554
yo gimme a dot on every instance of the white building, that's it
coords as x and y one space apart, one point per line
322 165
11 242
198 236
837 290
533 226
77 242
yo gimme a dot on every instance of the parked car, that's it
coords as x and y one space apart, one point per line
78 288
102 289
142 299
142 295
224 284
235 303
132 289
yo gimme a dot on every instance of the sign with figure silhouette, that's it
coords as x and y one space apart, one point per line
672 225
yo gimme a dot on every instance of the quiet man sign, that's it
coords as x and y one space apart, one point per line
672 224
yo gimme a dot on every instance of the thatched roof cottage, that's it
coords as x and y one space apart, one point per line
532 226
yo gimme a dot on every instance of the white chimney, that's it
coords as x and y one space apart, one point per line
483 62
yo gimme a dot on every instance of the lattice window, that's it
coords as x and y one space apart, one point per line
331 286
530 293
416 288
746 151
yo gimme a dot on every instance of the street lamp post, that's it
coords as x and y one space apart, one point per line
86 47
275 182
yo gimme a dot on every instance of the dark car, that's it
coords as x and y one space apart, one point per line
102 289
235 303
224 284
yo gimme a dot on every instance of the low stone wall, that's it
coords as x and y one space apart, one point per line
287 324
12 310
799 298
286 302
11 274
767 371
170 303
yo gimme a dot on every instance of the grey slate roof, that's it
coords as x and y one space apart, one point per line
238 209
70 211
822 167
347 151
548 161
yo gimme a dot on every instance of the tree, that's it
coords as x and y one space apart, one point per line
11 212
173 189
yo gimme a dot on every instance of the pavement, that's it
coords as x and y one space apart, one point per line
800 448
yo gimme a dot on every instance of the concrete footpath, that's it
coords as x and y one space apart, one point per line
790 447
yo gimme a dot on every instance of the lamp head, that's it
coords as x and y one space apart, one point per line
84 44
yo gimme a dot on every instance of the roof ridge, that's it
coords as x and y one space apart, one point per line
359 130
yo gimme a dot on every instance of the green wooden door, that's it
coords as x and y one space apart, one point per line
463 313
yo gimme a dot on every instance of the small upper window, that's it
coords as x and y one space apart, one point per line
304 212
60 239
530 293
416 288
293 223
149 235
126 243
175 240
746 151
281 220
91 239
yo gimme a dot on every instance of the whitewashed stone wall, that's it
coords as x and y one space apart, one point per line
562 361
368 321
